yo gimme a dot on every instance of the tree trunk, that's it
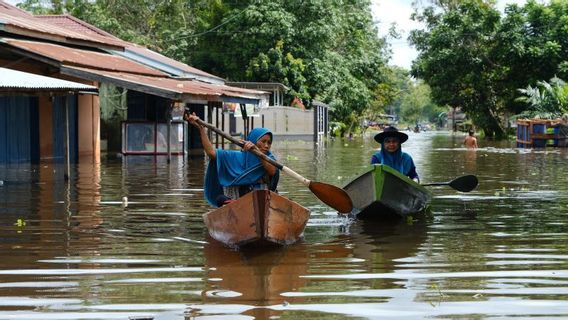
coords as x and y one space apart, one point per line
491 126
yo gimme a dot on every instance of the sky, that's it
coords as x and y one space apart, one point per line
385 12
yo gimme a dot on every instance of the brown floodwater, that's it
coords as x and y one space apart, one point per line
126 240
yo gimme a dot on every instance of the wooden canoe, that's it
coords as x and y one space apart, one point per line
260 216
382 192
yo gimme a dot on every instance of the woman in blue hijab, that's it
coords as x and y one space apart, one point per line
230 173
391 154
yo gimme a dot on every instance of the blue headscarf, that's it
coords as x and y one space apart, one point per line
236 168
398 160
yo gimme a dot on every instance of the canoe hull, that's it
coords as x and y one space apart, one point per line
382 192
260 216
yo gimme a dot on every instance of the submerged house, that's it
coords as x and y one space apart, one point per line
153 90
26 134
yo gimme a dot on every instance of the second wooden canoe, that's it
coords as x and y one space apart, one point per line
260 216
382 192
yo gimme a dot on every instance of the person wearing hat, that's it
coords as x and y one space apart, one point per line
391 153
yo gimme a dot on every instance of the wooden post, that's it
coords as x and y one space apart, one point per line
245 120
209 119
67 170
222 127
216 125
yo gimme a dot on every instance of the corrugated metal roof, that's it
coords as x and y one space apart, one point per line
258 85
161 62
133 51
80 57
98 66
18 80
170 88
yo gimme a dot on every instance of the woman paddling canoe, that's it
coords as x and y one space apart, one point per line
230 173
391 153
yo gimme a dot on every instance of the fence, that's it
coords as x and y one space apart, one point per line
538 133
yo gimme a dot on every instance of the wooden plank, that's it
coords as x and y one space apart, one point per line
542 136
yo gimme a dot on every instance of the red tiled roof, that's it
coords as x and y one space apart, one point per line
71 23
16 21
13 10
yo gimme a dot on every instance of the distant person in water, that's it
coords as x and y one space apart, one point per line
470 140
231 173
391 153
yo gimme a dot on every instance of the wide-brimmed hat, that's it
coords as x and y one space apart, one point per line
391 132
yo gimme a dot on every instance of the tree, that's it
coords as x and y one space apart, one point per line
277 66
163 26
546 100
416 105
453 60
532 47
473 59
323 49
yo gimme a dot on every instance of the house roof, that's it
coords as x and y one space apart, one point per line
18 82
79 49
57 55
259 85
69 22
165 64
175 89
133 51
21 23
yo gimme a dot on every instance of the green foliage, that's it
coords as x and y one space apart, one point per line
545 100
112 102
416 105
474 59
275 66
453 60
322 49
162 26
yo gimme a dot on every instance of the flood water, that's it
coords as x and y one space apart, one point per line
80 250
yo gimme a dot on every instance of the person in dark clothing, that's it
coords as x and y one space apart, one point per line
391 153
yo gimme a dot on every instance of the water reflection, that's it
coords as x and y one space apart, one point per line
74 250
254 276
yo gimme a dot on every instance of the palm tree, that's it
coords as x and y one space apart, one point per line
545 100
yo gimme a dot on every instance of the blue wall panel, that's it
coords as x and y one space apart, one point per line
59 129
19 134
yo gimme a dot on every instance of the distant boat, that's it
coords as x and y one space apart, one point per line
259 217
382 193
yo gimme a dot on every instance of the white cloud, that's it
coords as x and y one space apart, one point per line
387 12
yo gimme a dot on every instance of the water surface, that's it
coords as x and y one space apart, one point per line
126 239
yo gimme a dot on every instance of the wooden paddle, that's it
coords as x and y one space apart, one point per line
331 195
463 183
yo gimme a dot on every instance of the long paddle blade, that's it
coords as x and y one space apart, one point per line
463 183
333 196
